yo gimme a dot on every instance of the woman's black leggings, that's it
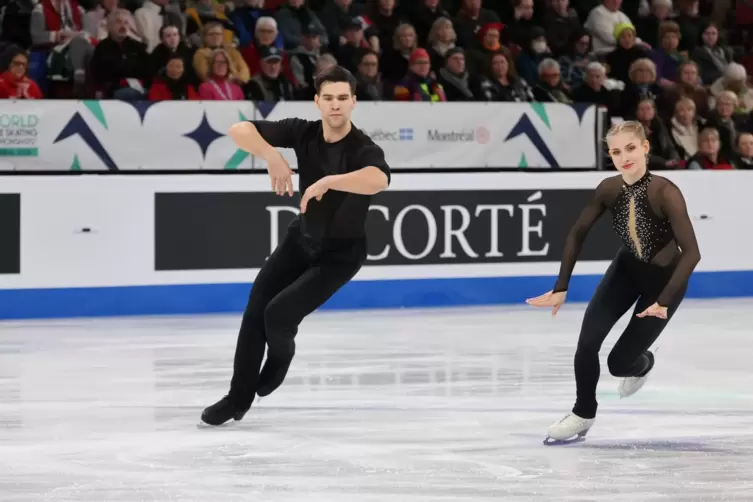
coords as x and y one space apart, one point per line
627 280
292 284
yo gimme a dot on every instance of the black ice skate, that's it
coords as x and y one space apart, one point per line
222 411
272 375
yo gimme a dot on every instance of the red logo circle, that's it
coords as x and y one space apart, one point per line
482 135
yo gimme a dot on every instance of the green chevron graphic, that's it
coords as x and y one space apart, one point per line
239 156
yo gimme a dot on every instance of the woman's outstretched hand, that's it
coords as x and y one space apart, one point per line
550 299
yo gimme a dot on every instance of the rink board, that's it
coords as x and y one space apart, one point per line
130 245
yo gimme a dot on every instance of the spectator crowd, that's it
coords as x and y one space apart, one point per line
680 67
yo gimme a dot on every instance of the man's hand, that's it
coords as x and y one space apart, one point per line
315 191
280 175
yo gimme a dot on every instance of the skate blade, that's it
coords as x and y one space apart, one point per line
561 442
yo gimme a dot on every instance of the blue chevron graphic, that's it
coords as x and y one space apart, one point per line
204 135
524 127
581 109
265 108
78 126
141 108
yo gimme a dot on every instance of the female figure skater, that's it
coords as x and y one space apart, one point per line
659 254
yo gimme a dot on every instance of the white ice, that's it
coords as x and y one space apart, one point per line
411 405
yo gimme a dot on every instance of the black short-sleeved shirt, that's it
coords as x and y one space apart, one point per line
339 215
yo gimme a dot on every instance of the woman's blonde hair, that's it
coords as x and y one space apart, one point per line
642 64
628 126
398 31
686 101
434 32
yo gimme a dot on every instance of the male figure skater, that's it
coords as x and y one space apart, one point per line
339 168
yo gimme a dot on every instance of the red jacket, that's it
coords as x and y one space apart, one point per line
161 92
9 86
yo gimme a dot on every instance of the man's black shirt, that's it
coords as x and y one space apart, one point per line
339 215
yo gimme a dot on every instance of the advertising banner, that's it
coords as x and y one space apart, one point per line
213 231
65 135
461 135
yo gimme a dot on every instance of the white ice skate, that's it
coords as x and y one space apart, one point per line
570 429
631 385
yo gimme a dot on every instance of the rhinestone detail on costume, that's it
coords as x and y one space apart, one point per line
640 229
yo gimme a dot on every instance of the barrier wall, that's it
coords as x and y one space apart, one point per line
68 135
119 245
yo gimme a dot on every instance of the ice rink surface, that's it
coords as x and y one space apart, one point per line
412 405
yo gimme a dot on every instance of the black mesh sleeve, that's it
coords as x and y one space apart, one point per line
673 205
577 235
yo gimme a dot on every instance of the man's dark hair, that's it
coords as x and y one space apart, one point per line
332 75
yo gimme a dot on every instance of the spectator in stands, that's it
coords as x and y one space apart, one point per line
550 88
744 158
519 30
385 19
265 33
469 20
172 46
394 61
120 65
293 18
626 52
95 21
442 38
711 57
334 15
325 62
502 82
422 15
689 85
201 14
727 123
663 152
641 85
593 91
154 14
353 43
171 82
666 57
213 38
562 26
532 55
369 83
574 62
488 36
735 79
244 17
419 85
303 58
602 23
270 85
15 84
15 18
57 26
220 84
709 154
648 27
690 24
684 128
454 78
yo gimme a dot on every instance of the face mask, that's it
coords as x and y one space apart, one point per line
539 47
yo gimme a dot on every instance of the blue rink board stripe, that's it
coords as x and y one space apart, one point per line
218 298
